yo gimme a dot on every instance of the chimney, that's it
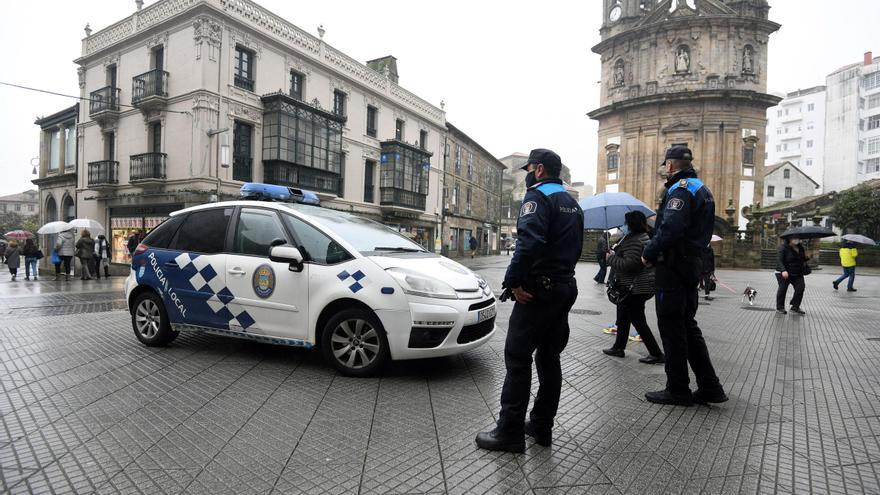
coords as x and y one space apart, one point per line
869 58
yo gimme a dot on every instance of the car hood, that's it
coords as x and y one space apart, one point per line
455 274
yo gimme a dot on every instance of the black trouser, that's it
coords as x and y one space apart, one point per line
706 282
603 268
632 311
677 302
540 328
797 281
65 260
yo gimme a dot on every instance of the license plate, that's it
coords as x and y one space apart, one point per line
485 314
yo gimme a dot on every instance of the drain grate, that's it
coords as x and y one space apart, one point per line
586 312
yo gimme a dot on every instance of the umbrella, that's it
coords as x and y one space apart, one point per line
716 238
87 223
18 235
860 239
808 232
54 228
606 210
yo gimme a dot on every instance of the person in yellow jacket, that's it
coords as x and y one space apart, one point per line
848 255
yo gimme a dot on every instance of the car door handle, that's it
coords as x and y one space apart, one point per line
171 264
236 271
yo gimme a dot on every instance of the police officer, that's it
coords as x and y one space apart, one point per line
684 226
541 278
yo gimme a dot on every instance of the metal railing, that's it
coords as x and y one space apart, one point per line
399 197
147 166
242 168
149 84
243 83
105 99
103 172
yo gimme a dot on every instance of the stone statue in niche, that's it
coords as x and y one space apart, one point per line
748 60
619 74
682 60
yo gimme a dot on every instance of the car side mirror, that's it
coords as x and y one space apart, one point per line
287 254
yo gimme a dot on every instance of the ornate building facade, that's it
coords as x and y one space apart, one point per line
688 72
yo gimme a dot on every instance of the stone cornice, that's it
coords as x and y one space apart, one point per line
274 28
761 99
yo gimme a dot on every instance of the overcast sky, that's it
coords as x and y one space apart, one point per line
515 75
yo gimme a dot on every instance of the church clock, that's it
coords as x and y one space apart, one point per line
614 15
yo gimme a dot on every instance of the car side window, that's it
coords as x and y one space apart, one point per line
204 231
255 232
161 236
314 244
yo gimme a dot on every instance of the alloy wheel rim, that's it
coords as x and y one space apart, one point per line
355 343
148 318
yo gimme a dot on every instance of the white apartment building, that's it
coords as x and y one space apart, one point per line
852 131
796 132
188 99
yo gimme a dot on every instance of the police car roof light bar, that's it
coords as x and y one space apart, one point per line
258 191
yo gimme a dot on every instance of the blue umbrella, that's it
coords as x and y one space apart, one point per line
606 210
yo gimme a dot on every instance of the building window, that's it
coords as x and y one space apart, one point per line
372 118
771 191
786 174
874 146
404 174
17 206
110 146
339 103
469 201
613 160
779 113
398 130
369 186
242 151
423 139
470 165
872 81
809 143
810 126
874 101
872 166
457 159
779 130
809 162
155 137
778 147
786 130
111 75
874 122
787 193
455 191
54 150
244 68
296 84
749 155
811 107
30 208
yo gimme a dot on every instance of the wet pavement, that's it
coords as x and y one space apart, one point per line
87 409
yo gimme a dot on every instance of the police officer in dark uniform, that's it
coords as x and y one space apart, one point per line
540 277
684 226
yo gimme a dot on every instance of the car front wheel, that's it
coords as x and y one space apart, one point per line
149 320
354 343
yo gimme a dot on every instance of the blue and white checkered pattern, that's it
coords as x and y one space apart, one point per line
205 279
360 280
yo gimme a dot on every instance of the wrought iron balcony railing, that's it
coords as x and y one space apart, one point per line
400 197
104 172
147 166
242 168
105 99
243 83
149 84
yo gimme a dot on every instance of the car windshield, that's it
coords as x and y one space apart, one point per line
365 235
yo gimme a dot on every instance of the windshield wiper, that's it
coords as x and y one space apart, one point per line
398 249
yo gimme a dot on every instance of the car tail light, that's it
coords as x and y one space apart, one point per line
140 249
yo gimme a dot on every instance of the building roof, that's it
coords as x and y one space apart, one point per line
456 130
805 92
773 168
29 196
68 113
796 204
847 67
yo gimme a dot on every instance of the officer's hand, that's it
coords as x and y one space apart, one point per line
785 275
522 296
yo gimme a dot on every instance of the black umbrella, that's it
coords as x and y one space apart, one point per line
808 232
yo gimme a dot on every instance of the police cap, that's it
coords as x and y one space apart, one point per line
678 153
549 159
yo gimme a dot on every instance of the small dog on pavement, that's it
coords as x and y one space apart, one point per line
750 293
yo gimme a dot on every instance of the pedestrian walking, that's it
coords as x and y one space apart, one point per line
684 225
707 271
540 278
133 240
66 248
472 244
13 258
848 254
633 282
791 268
102 256
85 251
31 255
2 251
602 258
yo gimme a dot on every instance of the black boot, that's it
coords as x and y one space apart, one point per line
715 397
653 359
666 397
612 351
504 442
542 437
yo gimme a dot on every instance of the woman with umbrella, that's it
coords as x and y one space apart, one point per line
65 247
791 268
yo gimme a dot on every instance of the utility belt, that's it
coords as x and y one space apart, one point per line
545 285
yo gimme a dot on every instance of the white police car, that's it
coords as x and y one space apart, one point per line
282 271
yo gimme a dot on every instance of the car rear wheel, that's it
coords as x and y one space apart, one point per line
354 343
149 320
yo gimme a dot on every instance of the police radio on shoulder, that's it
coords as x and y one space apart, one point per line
257 191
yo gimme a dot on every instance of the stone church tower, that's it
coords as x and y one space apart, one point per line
684 71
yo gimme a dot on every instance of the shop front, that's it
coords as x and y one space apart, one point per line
128 221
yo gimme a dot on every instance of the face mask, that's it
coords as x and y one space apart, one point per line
795 242
530 179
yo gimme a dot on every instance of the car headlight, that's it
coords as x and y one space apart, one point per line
417 284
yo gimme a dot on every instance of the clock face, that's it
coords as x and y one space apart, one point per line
615 13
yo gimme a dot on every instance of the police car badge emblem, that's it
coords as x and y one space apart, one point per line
675 204
264 281
528 208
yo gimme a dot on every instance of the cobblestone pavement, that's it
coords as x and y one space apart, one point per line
86 408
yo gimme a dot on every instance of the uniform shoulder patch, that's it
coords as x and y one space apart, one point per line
675 204
528 208
683 183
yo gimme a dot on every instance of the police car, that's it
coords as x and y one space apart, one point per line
276 267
